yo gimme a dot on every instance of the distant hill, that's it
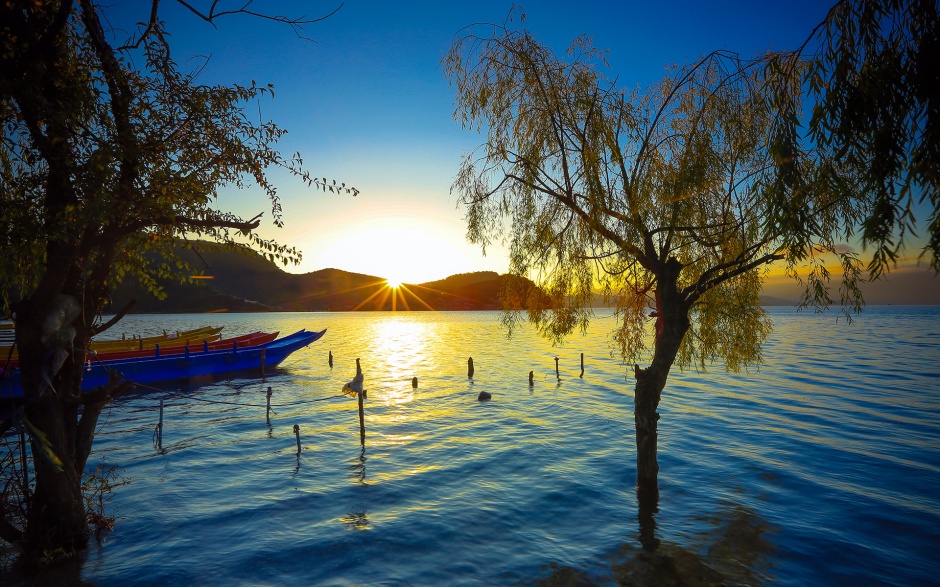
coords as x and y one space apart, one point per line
246 281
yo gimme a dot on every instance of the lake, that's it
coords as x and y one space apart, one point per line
820 468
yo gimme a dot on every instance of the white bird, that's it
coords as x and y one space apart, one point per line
354 387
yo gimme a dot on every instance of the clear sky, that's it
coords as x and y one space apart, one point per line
367 104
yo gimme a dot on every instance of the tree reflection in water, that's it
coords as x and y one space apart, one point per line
357 520
731 550
358 468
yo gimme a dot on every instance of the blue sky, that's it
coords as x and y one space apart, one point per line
367 104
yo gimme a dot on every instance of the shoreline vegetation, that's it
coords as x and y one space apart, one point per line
248 282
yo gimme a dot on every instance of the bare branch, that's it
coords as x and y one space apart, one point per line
295 23
116 318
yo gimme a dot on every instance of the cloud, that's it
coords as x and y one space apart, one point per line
843 248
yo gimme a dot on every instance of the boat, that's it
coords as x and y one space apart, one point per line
210 333
187 365
237 342
160 350
174 339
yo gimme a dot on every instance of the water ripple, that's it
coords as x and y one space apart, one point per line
821 467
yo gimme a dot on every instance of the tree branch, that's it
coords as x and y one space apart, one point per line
296 24
195 223
117 317
10 533
93 403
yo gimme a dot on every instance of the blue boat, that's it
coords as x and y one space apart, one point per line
190 364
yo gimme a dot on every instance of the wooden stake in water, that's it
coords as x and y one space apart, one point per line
297 434
160 426
331 359
530 379
414 382
267 413
470 368
556 368
362 422
582 365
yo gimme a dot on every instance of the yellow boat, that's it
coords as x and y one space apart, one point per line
166 340
208 333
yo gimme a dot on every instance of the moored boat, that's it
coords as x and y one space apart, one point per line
181 366
166 340
244 341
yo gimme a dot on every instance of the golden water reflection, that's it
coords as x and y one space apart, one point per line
402 343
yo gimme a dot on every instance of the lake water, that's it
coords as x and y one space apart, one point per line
821 468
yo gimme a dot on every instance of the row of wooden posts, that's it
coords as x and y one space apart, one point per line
158 433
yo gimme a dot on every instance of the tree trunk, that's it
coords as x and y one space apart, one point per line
672 322
56 523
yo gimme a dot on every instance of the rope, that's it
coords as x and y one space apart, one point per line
212 401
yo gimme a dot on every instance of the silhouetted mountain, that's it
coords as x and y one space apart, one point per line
245 281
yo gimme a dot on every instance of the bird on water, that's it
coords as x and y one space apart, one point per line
354 387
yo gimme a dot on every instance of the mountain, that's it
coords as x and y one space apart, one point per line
245 281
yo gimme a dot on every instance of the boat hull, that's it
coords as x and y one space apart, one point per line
185 366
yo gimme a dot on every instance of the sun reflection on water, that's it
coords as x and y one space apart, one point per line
402 344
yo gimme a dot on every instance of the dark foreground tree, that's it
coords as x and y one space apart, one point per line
108 151
676 200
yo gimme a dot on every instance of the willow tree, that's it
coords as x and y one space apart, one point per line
872 82
667 198
108 151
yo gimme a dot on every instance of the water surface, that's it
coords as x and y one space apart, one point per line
822 467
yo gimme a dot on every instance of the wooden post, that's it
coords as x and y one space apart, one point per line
297 434
414 382
530 379
156 350
582 365
262 361
160 426
470 368
267 413
205 346
556 368
362 421
331 359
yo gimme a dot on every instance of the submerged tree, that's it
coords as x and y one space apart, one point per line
108 151
676 200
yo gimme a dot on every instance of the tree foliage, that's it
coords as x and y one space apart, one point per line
109 153
600 184
678 198
873 81
136 148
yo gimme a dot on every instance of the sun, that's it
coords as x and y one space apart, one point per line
393 283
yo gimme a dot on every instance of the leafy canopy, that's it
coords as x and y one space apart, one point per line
674 191
119 152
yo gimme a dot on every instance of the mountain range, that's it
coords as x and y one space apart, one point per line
245 281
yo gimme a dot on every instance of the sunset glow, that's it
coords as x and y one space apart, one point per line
397 250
